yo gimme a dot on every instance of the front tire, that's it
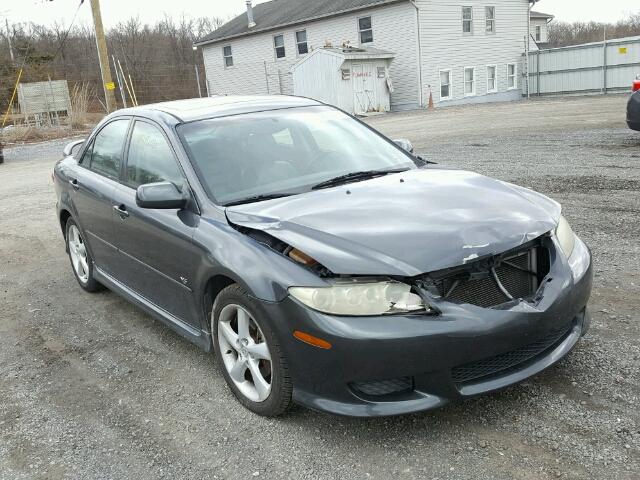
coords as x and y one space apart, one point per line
81 261
249 355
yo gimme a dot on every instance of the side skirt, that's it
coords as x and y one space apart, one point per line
199 337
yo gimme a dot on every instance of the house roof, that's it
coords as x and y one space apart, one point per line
347 53
540 15
280 13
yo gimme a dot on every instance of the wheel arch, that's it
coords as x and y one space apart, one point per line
64 217
213 286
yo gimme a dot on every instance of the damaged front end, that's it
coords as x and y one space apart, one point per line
496 281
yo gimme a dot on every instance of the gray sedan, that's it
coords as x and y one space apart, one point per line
323 263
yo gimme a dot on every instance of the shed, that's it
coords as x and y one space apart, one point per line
353 79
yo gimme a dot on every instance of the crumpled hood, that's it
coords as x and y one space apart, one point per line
404 224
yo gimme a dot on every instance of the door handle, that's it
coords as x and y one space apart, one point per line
121 210
74 183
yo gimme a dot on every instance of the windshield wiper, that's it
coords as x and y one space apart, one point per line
424 161
362 175
258 198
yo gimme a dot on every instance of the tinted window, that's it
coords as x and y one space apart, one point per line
107 148
150 157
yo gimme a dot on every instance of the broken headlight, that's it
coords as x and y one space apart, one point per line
361 298
565 236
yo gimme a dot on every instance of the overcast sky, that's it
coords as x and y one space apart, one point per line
114 11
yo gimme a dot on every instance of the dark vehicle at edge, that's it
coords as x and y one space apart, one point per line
633 107
322 263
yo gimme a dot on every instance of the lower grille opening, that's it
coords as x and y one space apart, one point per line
495 280
507 362
384 387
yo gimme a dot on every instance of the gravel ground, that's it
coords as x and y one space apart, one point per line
92 388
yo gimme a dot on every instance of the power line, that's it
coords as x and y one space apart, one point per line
64 38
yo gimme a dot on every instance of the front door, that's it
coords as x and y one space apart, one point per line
93 185
157 257
364 95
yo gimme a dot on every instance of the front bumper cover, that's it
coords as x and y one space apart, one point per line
427 348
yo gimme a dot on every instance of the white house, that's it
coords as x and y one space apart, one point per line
540 27
460 51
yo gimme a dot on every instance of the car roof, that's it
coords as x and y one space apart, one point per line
217 106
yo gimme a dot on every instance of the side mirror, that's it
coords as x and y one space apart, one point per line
404 144
72 148
160 195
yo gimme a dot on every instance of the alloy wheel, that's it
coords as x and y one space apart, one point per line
245 353
78 252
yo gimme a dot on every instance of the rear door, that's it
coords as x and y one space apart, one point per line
158 259
93 184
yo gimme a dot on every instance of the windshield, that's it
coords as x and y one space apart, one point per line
282 152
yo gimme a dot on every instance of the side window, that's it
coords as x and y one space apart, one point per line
227 55
278 45
106 150
301 42
467 20
150 158
86 157
365 29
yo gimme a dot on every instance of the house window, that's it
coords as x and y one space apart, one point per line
445 84
366 32
469 81
301 42
228 57
492 83
278 45
467 20
382 72
538 33
512 76
490 19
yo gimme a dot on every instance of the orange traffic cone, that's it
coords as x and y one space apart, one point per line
430 107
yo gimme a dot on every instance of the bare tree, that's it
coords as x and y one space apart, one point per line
159 57
563 33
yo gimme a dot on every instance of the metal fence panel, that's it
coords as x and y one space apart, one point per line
601 67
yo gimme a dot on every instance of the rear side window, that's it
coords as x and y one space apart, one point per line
150 158
106 150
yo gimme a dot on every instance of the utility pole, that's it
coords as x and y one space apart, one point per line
103 57
9 40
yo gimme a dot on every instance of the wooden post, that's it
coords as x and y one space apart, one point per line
13 95
198 80
120 82
9 40
103 57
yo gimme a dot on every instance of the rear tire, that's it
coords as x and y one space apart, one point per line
248 354
81 261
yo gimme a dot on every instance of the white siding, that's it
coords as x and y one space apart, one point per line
320 78
544 30
444 46
394 30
